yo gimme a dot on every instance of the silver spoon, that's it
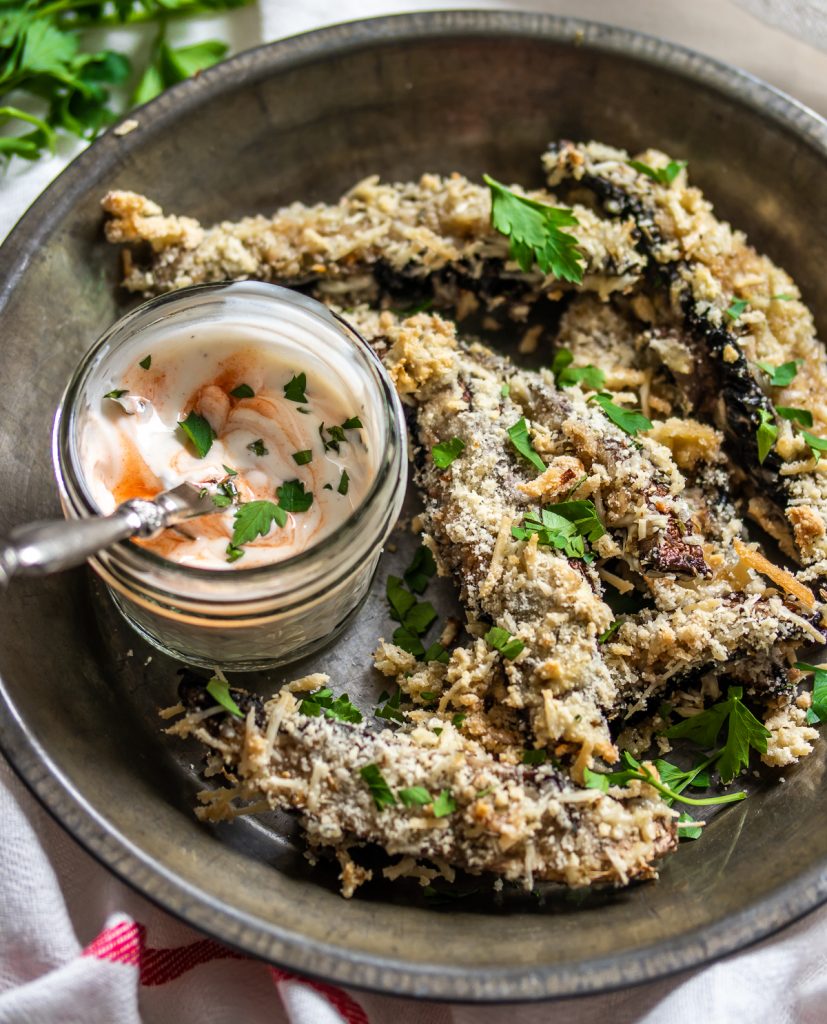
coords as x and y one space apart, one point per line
37 549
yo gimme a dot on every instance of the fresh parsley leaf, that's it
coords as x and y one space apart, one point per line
328 487
501 640
736 308
420 618
505 391
258 447
243 391
222 500
322 702
801 416
230 471
782 297
219 690
234 553
445 452
254 519
421 569
303 457
817 445
145 363
566 375
534 757
520 439
458 719
596 780
353 423
535 232
336 436
744 731
444 804
294 389
344 482
115 393
629 421
413 796
781 376
293 497
766 434
817 712
199 432
416 616
582 515
564 526
380 790
662 175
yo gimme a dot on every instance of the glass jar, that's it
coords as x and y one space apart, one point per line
241 619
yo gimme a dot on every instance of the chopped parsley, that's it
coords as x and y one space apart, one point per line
388 707
243 391
781 376
817 445
234 553
629 420
408 641
145 363
766 434
258 448
444 804
322 702
199 432
501 640
662 175
635 770
801 416
565 526
219 690
353 423
415 616
421 569
344 482
534 757
380 790
115 393
294 389
817 712
505 390
610 632
744 732
782 297
414 796
688 828
335 437
436 652
736 308
229 470
445 452
303 457
293 497
254 519
566 375
521 441
534 232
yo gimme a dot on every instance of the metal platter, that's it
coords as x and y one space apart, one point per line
305 118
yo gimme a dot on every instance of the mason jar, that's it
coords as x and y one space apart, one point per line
235 618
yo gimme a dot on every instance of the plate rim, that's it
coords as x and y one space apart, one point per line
265 939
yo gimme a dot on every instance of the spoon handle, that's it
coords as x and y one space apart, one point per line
37 549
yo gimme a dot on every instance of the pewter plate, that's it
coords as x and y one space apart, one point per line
305 118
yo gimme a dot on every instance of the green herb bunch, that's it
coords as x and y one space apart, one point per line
51 82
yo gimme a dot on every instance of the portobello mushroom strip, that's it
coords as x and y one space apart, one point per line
521 823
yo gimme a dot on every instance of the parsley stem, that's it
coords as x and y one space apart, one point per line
729 798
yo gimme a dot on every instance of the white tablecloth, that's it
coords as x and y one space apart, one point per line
78 946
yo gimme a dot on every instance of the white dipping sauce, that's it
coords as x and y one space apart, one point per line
134 447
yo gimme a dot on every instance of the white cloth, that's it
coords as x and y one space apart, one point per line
78 946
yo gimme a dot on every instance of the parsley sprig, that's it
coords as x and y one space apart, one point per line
662 175
817 712
744 732
566 375
634 769
44 54
535 232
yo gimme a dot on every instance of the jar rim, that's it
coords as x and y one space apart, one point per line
64 455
